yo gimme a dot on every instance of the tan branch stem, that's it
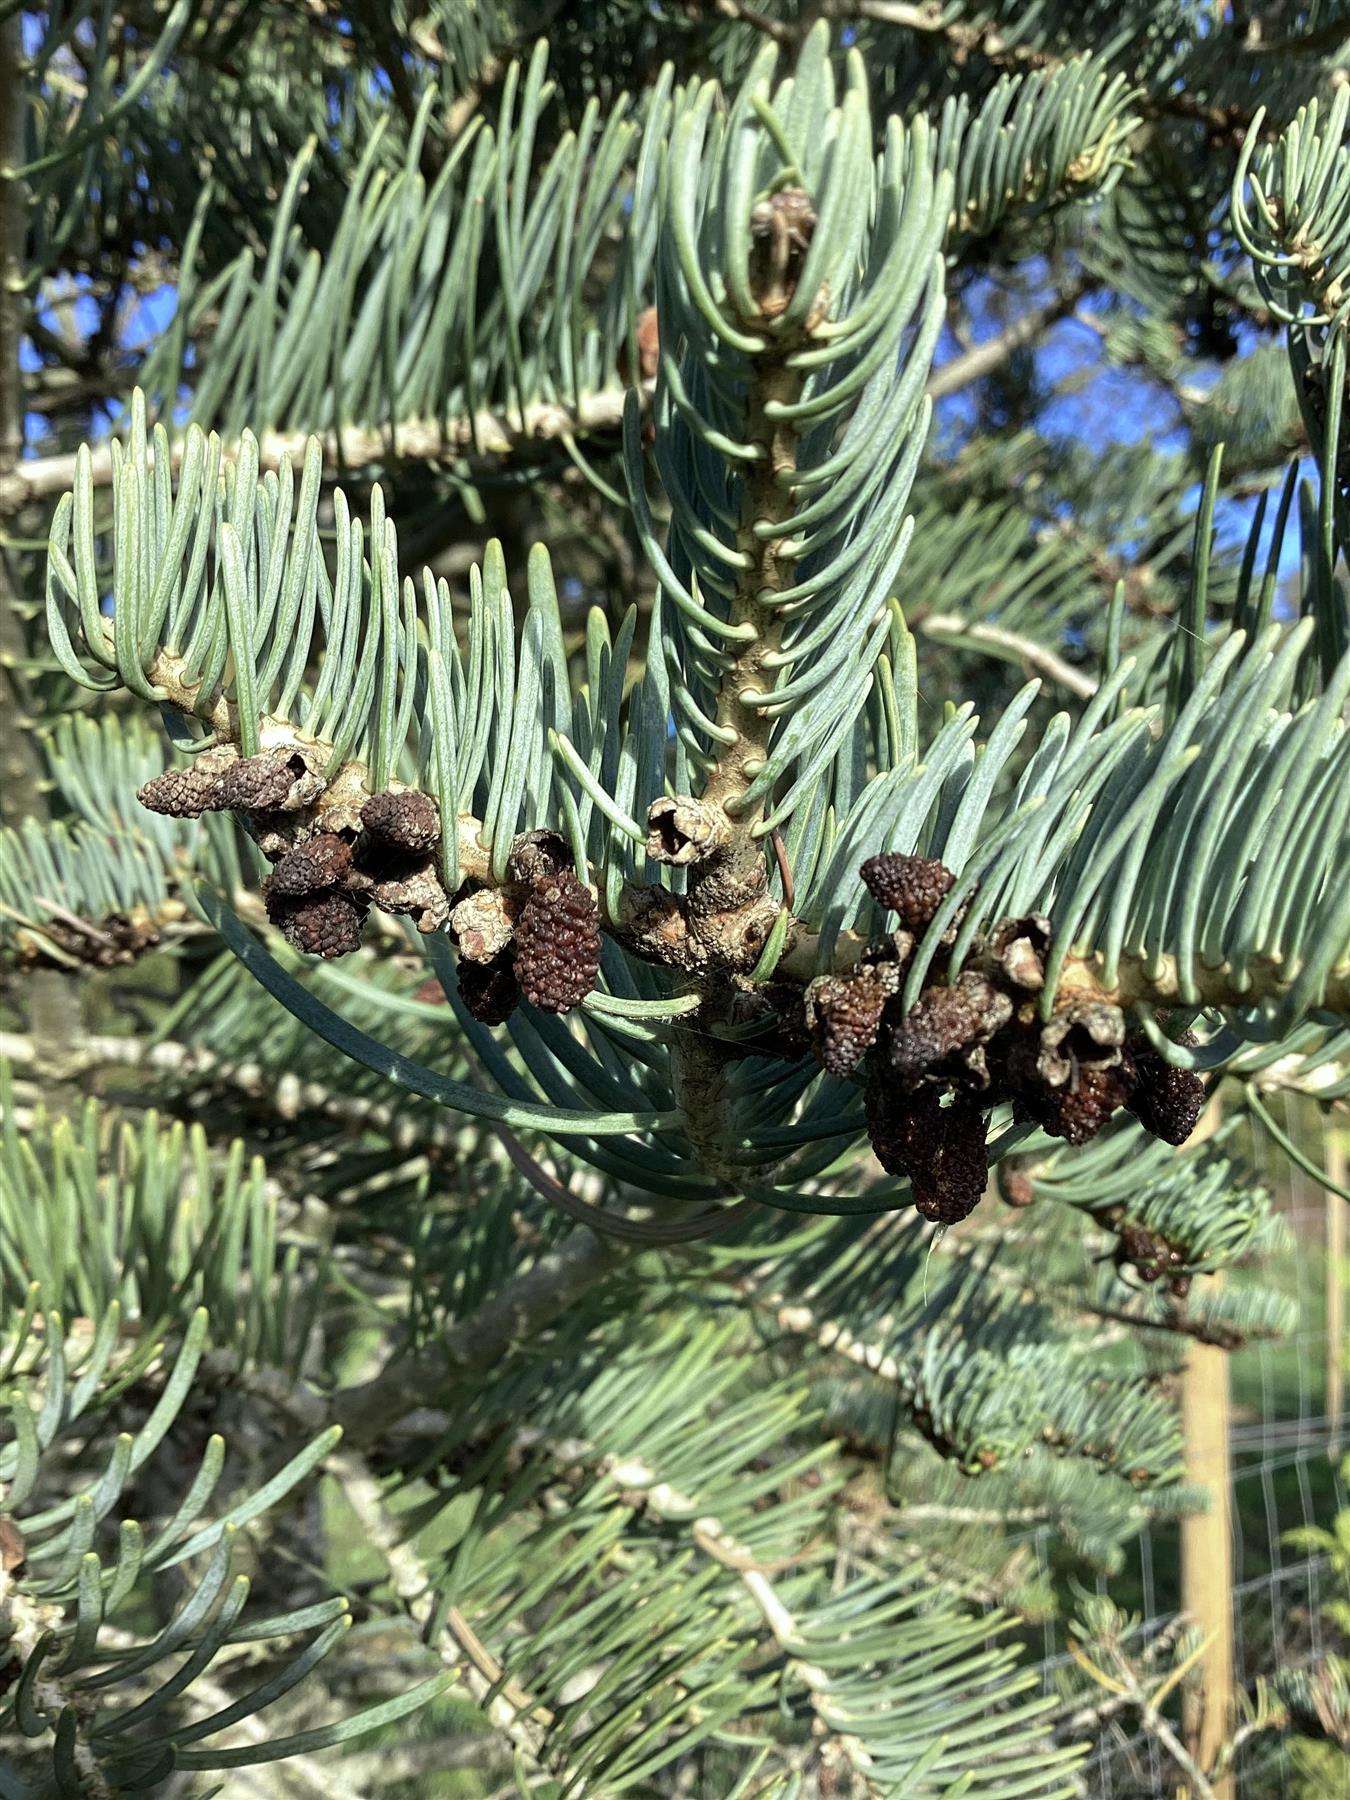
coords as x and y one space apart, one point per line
713 1538
353 447
520 1309
25 1620
285 1094
1140 980
511 1710
975 364
1224 125
951 628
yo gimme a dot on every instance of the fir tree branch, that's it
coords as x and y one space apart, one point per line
189 1064
1177 1322
712 1537
520 1308
984 359
777 29
508 1707
25 1620
1140 980
1224 125
830 1335
353 448
949 628
318 1780
724 886
972 1515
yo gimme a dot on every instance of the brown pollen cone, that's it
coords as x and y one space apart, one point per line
557 944
1166 1101
846 1014
409 821
911 886
326 924
942 1149
320 862
182 793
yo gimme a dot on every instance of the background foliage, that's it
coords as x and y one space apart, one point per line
344 1454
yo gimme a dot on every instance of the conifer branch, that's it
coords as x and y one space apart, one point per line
735 876
713 1538
1224 125
983 359
320 1781
489 433
189 1065
1153 981
508 1707
521 1308
950 628
829 1335
25 1620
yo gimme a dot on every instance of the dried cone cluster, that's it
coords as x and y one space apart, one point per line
113 941
539 936
324 881
933 1074
550 925
322 888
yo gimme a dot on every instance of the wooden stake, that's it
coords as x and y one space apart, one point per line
1335 1320
1207 1546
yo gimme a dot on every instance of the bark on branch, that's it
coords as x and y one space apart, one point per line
486 433
975 364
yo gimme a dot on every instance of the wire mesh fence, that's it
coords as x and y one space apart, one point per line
1289 1428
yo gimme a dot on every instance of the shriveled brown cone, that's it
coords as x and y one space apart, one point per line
945 1023
326 924
113 942
889 1124
912 886
182 793
1166 1101
409 821
558 944
320 862
1138 1248
846 1014
489 989
538 856
952 1165
940 1148
1080 1109
273 781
